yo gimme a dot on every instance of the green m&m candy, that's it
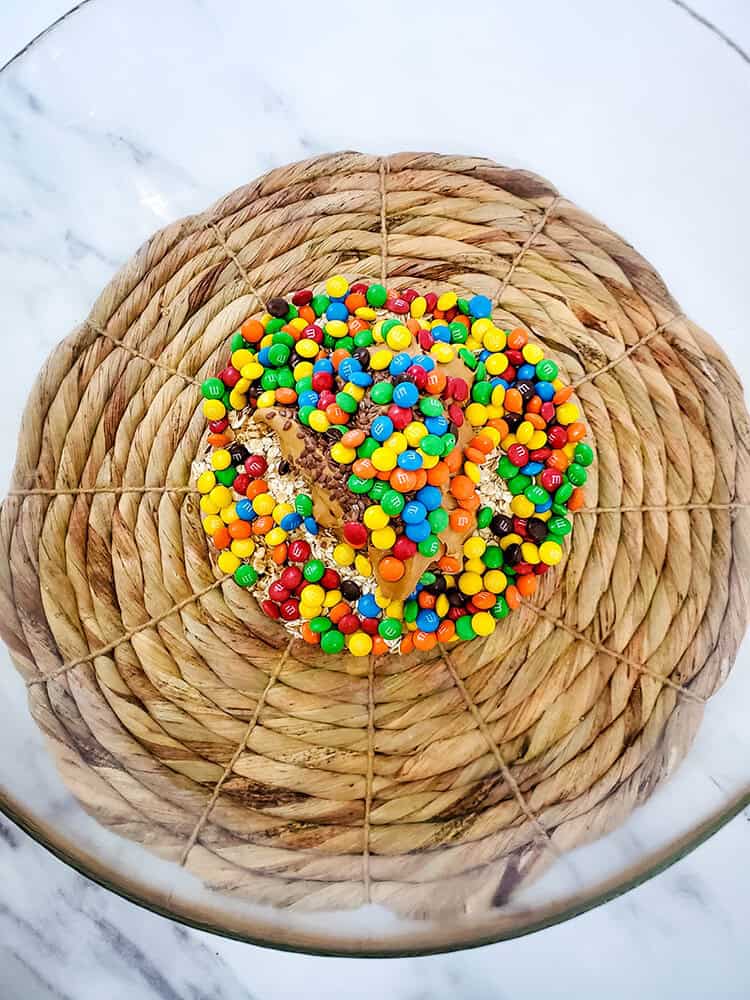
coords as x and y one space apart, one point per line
347 403
517 484
278 355
464 628
576 474
438 520
376 296
357 485
506 468
501 609
559 525
468 357
481 392
392 502
283 338
319 304
429 546
213 388
332 641
546 370
363 339
431 444
303 505
563 493
313 570
245 575
378 489
225 476
484 516
381 393
536 494
368 446
411 610
431 407
449 443
493 557
389 628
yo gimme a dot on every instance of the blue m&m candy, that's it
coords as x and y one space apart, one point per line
413 512
337 310
381 428
368 606
399 363
480 306
245 510
430 497
410 459
291 521
428 620
419 531
405 394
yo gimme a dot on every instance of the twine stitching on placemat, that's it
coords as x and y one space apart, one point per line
370 775
272 678
526 246
627 352
237 263
39 491
383 170
126 636
495 751
124 490
605 650
139 354
664 508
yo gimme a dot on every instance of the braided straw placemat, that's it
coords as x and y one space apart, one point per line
183 718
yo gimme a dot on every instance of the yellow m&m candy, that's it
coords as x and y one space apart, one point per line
550 553
360 644
206 482
337 286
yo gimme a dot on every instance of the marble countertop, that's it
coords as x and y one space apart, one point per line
682 934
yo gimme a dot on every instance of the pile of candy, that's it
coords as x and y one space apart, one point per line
410 397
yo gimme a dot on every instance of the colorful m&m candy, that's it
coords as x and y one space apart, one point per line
388 468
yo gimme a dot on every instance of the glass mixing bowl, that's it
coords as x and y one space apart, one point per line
127 115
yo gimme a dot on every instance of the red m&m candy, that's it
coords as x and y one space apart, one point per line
298 551
355 534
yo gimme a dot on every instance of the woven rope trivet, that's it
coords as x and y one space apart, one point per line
183 718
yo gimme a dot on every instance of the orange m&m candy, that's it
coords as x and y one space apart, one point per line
460 520
461 487
403 480
513 401
252 330
391 569
424 640
517 339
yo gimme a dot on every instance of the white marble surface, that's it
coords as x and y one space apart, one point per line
666 164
